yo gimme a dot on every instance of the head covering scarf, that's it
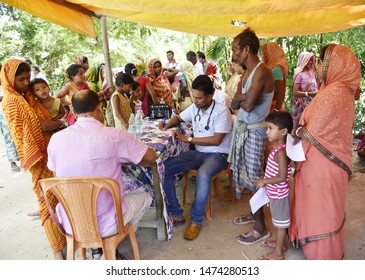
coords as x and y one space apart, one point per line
22 114
303 60
330 115
160 84
188 69
273 55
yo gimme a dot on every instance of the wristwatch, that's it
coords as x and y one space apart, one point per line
190 139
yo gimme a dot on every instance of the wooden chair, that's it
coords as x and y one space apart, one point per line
215 182
78 197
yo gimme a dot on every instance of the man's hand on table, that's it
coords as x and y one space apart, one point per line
181 136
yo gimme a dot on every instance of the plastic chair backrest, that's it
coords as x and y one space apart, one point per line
78 196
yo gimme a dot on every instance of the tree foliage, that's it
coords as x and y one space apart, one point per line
54 48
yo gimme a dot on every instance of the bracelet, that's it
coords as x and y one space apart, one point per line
296 132
306 93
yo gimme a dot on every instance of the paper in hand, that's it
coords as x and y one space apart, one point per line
294 152
259 199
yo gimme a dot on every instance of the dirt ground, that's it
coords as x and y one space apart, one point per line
22 237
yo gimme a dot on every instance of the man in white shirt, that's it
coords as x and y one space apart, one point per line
191 56
212 125
172 69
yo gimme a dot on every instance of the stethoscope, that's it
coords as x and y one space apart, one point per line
208 121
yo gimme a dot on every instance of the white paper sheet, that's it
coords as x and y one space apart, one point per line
259 199
294 152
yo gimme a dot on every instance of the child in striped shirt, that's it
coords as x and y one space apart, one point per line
276 181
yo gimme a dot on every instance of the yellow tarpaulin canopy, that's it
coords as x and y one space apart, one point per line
269 18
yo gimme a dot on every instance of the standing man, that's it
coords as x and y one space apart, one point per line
212 125
249 133
209 66
172 68
98 150
191 56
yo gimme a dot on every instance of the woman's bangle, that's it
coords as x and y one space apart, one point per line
296 132
306 93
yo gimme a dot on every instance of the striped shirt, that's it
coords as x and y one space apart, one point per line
279 190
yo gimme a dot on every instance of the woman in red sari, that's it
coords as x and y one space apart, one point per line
160 82
321 181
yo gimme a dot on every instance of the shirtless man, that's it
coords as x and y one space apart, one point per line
247 147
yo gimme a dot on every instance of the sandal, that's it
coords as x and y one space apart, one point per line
252 237
96 253
272 244
244 219
267 257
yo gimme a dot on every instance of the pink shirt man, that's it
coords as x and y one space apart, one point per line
89 148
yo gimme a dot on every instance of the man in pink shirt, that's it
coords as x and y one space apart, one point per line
89 148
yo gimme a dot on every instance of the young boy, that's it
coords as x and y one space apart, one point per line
53 105
276 181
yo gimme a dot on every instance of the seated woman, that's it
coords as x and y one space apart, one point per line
160 82
76 75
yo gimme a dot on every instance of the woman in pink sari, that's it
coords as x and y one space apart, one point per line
320 182
304 84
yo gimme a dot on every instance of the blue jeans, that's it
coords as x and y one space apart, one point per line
207 164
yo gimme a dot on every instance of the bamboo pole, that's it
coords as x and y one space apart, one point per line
108 69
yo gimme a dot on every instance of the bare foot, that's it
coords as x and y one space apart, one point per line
272 256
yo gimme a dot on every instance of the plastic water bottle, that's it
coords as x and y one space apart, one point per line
139 123
131 124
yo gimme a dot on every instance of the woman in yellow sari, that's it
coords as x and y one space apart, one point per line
321 181
31 127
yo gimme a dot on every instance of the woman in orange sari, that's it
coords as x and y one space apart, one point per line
31 127
321 181
160 82
274 58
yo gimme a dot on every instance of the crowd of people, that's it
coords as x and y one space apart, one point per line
243 123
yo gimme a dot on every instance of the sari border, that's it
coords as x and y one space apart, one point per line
306 240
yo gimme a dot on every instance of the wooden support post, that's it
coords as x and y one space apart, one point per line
108 69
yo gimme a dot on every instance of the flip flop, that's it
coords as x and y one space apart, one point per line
266 257
271 244
242 239
243 220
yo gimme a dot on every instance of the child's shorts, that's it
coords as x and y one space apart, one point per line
280 212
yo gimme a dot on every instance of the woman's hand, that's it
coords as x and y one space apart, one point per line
298 135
